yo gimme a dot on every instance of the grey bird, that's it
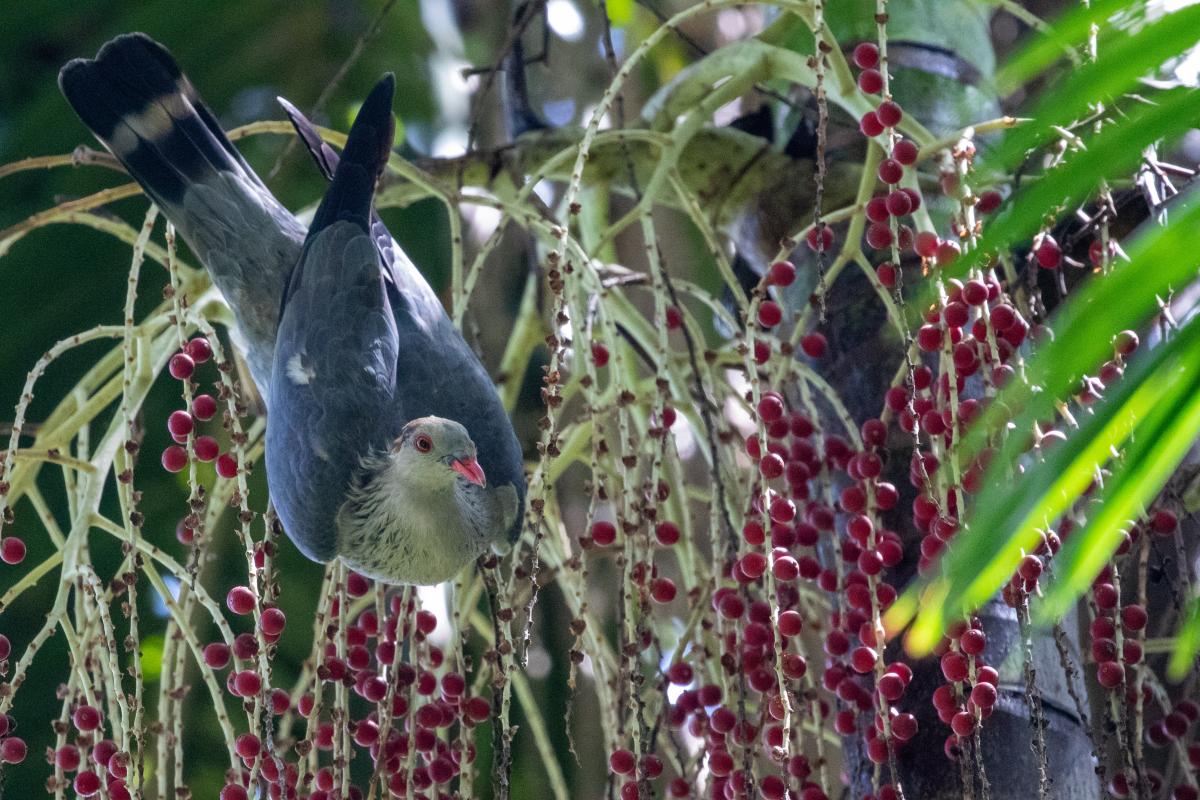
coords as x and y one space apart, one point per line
346 341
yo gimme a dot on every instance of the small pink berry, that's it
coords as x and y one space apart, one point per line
216 655
870 81
870 125
599 354
866 56
782 273
814 344
86 718
674 318
604 533
889 114
769 314
181 366
199 350
1048 253
12 550
233 791
5 652
926 244
240 600
174 458
988 201
247 683
204 407
227 466
891 171
87 783
205 448
662 590
180 424
667 533
12 750
273 620
820 239
906 152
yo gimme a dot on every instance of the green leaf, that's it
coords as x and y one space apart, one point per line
1187 644
1069 32
1163 439
1010 510
1122 62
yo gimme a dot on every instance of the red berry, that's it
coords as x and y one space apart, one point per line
906 152
862 660
889 114
988 202
603 533
273 620
5 652
870 81
227 466
12 550
667 533
770 407
622 762
891 171
1164 522
820 239
1110 674
174 458
926 244
240 600
879 236
869 124
887 274
1048 254
1133 617
180 424
866 56
599 354
963 723
86 718
771 466
899 203
12 750
216 655
984 695
972 642
247 683
769 314
674 318
782 273
947 252
234 791
662 590
205 448
247 745
87 783
813 344
954 666
181 366
790 623
199 350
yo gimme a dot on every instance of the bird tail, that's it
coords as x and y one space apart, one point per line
366 152
144 110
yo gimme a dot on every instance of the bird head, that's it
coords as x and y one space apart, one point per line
437 453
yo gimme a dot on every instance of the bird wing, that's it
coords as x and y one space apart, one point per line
334 374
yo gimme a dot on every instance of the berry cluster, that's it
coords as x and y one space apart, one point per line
182 424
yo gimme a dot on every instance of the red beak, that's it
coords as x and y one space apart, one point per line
469 468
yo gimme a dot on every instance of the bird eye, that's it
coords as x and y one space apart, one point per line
424 444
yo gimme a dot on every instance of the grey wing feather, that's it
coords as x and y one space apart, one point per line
333 383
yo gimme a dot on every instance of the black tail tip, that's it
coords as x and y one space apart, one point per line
374 125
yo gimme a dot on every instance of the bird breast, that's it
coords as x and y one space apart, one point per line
389 531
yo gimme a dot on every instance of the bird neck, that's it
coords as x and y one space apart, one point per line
399 530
